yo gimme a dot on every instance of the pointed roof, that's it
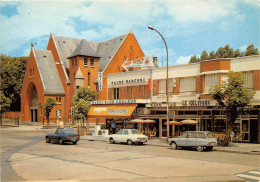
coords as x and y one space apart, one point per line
105 50
48 72
84 49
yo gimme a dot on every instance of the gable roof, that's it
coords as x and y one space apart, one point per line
106 50
48 72
84 49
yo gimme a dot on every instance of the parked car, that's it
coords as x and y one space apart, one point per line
197 139
63 135
128 136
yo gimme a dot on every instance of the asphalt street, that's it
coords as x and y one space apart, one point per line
26 156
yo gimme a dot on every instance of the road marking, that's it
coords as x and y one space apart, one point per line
253 175
255 172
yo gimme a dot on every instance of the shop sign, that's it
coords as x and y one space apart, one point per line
200 102
135 80
115 112
126 101
143 62
100 80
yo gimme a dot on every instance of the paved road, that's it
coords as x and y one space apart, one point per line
26 156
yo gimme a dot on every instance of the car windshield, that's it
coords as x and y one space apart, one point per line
210 135
135 132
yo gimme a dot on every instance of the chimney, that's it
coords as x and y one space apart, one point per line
155 60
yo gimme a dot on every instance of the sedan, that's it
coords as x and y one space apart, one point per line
63 135
197 139
128 136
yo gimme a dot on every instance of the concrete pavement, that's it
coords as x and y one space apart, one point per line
244 148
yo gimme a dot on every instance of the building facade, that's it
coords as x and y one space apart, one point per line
145 92
68 64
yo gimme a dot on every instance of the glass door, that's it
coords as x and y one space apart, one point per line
245 129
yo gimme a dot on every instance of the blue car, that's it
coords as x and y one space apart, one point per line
63 135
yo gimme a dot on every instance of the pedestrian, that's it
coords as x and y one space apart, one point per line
113 125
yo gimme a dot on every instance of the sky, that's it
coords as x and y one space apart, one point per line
188 26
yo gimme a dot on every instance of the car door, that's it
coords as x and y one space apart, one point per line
56 135
191 139
118 136
182 141
202 139
125 136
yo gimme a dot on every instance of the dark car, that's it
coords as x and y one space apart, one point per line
63 135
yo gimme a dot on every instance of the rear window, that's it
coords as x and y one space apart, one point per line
135 132
70 132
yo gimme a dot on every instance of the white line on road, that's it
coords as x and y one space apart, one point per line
248 177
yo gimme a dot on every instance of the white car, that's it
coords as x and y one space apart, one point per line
128 136
197 139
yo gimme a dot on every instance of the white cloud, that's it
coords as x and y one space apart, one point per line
182 60
199 10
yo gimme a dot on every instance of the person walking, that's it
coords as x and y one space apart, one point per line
113 125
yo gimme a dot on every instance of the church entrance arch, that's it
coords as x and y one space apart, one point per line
33 102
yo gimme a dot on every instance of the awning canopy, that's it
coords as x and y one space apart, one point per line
111 111
141 121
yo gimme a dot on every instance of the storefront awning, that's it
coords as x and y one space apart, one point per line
111 111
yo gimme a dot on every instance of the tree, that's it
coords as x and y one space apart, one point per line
12 76
204 55
212 55
237 53
250 50
194 59
47 107
235 97
4 105
81 102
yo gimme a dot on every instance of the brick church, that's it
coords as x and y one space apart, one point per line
68 64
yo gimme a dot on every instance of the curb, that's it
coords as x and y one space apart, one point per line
217 150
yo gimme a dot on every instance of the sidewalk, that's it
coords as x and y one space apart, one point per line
243 148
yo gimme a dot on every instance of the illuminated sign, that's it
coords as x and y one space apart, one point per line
143 62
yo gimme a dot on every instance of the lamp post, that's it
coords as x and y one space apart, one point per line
167 80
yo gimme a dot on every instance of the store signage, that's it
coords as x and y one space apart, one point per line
143 62
200 102
126 101
115 112
159 104
135 80
100 80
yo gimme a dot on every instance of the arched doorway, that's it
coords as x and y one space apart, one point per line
33 102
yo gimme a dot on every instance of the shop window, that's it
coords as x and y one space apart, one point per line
211 80
116 93
92 63
248 76
188 85
86 62
220 125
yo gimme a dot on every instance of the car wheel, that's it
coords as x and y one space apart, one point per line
173 146
111 140
60 141
141 143
209 148
200 148
74 142
129 142
48 140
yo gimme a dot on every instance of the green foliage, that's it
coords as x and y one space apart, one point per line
12 75
250 50
235 97
48 106
194 59
81 102
225 52
4 103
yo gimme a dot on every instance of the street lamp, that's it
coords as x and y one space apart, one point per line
167 80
